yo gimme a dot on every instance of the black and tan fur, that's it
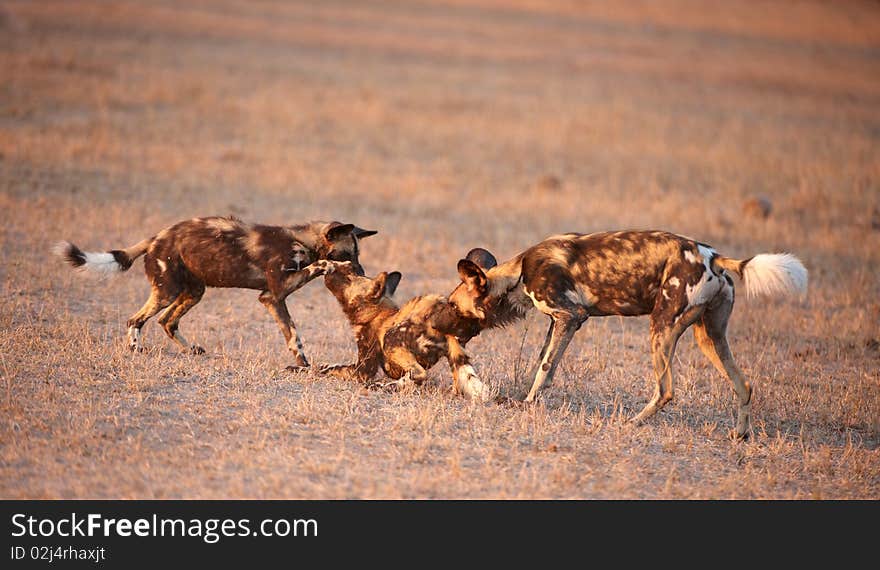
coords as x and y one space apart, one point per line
677 281
184 259
403 341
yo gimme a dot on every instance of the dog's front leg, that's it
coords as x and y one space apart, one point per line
562 329
281 283
278 309
464 377
290 280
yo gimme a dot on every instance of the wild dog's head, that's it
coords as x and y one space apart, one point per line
339 242
471 297
359 295
484 291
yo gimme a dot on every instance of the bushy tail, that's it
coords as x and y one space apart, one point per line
771 274
115 261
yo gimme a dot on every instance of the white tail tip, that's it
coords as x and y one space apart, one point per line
101 263
775 274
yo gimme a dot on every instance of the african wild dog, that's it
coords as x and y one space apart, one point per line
676 280
180 261
404 341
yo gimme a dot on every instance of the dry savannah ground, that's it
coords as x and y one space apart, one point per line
446 125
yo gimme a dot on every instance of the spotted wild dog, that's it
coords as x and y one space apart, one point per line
404 341
182 260
679 282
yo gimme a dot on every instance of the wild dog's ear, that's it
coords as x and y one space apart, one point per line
379 283
361 233
338 231
392 282
482 257
472 276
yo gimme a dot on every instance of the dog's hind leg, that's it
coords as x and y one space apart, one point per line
710 333
667 326
170 319
154 304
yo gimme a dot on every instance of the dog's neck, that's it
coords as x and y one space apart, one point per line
505 277
507 299
360 313
310 235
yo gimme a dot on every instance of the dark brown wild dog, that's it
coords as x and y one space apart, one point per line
678 281
184 259
404 341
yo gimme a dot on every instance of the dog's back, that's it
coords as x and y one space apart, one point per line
608 273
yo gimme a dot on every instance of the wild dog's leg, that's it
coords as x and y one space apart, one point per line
546 341
361 372
464 377
281 284
562 329
278 309
667 326
286 282
413 372
170 319
366 366
157 301
552 291
414 376
344 371
710 333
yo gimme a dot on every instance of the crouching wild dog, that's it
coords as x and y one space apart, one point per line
404 341
184 259
677 281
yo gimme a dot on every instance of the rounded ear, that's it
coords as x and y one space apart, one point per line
472 276
392 282
482 257
338 231
379 285
361 233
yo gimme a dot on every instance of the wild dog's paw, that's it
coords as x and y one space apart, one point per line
332 368
196 349
321 267
346 372
299 359
472 387
735 435
327 267
392 385
479 391
411 380
297 369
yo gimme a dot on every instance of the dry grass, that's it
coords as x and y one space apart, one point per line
446 125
